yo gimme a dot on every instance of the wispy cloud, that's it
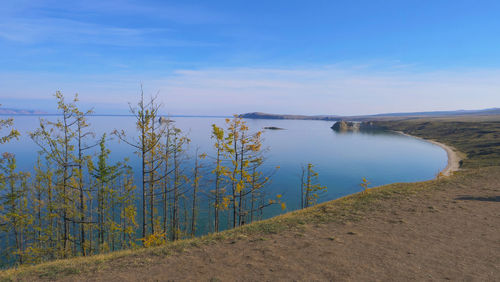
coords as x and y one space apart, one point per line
74 32
333 90
132 10
100 23
161 10
300 90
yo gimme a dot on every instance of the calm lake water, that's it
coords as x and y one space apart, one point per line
341 159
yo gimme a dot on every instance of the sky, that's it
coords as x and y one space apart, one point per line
226 57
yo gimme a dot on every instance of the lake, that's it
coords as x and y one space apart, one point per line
341 159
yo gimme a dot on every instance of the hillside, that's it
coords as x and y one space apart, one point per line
444 229
259 115
387 116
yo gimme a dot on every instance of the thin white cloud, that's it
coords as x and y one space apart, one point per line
321 90
65 31
180 13
91 22
335 91
135 10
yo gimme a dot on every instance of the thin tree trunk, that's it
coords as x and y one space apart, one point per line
65 195
195 191
175 207
217 191
302 189
308 186
242 200
165 186
253 194
151 179
80 186
143 152
233 180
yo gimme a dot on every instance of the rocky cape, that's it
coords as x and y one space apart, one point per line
352 126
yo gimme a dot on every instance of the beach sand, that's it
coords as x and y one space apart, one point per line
454 157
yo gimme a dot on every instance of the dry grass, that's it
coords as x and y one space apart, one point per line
479 141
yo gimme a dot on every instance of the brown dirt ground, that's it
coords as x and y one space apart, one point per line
452 233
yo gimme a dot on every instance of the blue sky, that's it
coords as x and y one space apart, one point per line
225 57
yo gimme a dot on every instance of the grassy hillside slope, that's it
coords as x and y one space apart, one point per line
480 141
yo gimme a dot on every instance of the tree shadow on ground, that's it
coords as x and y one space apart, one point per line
484 199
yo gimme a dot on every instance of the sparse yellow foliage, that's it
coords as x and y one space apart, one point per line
155 239
365 184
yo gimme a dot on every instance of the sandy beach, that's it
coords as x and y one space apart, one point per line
453 157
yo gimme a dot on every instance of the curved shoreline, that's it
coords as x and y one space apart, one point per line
453 156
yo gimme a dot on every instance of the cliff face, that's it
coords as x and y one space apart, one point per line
352 126
345 126
164 120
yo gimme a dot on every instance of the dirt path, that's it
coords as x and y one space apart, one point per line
450 233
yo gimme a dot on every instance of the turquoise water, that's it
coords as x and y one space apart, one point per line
341 159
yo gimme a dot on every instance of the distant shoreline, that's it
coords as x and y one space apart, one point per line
374 117
111 115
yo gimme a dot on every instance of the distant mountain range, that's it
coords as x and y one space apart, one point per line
484 112
9 111
260 115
